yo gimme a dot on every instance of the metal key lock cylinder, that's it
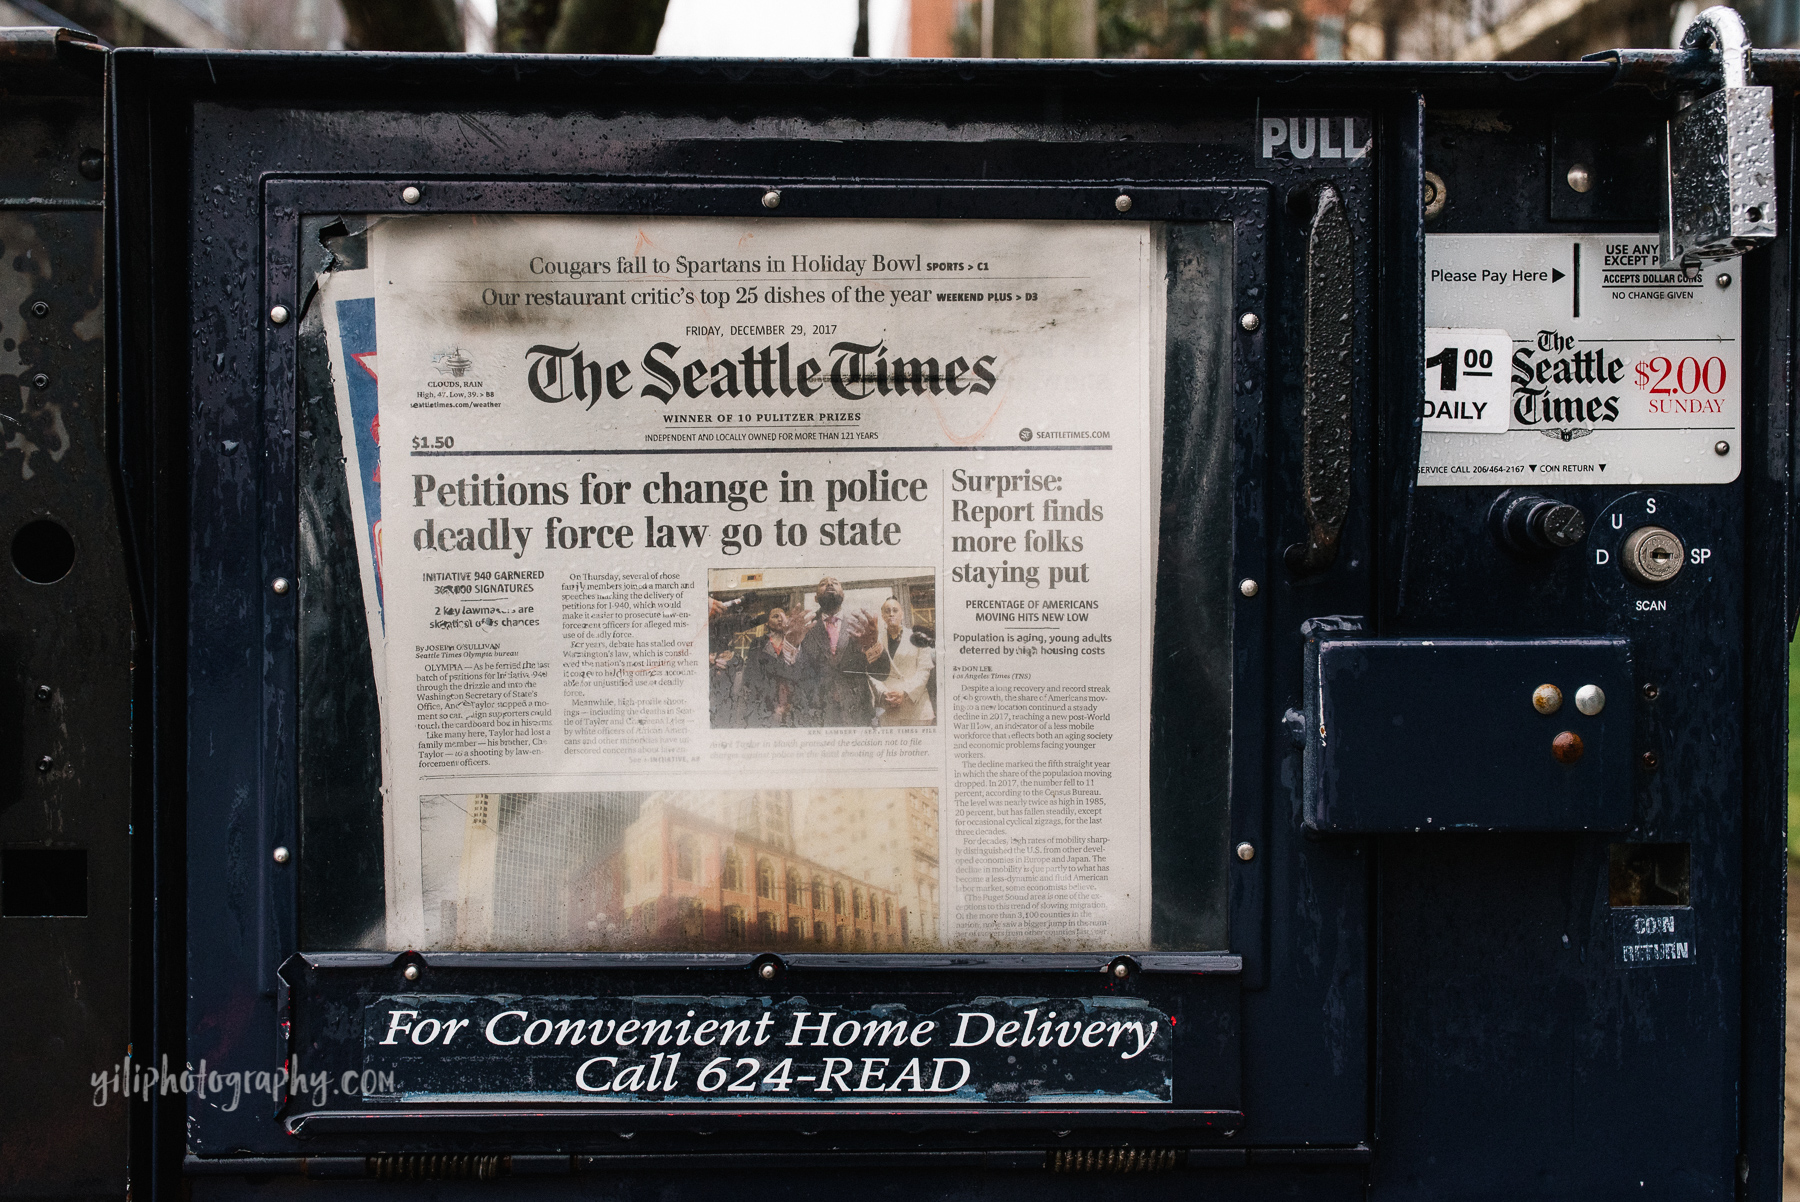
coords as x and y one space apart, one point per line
1652 554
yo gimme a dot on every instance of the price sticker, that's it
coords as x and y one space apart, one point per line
1466 381
1557 359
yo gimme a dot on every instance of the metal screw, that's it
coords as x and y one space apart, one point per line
1246 852
1436 194
43 693
1721 447
771 199
279 315
766 972
411 973
1650 760
41 380
40 309
1724 280
45 763
1123 204
1579 179
1590 699
280 584
1650 692
1121 970
281 855
1248 587
1251 323
410 194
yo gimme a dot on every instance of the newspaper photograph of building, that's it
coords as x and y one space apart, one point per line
803 869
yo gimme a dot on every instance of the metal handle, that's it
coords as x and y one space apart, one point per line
1325 401
1722 27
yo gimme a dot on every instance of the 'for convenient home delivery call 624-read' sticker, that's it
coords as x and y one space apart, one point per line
1552 359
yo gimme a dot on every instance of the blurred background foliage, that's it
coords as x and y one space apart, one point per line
1204 29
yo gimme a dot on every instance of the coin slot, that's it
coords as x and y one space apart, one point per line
44 882
1647 874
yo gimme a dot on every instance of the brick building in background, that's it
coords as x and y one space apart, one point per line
729 878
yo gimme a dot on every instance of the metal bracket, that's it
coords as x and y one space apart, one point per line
1721 149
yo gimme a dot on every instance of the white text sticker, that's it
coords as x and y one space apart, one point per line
1616 370
1467 380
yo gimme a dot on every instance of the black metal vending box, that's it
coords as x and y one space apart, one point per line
956 628
68 810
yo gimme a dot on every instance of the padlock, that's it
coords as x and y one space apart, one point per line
1721 149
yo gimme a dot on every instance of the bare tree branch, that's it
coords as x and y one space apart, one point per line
523 26
418 25
607 27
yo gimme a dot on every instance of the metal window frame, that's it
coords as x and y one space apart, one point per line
1249 209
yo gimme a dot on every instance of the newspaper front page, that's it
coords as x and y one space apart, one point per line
775 583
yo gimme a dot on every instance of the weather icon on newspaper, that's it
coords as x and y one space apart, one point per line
454 362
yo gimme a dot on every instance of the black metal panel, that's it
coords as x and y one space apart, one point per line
1505 929
1770 599
1447 734
1617 160
66 816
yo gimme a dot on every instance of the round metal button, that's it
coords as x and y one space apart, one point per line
1123 204
1546 699
1251 323
410 195
1248 587
282 855
1590 699
771 199
1246 852
1566 747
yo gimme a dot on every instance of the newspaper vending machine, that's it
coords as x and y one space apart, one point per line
942 628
